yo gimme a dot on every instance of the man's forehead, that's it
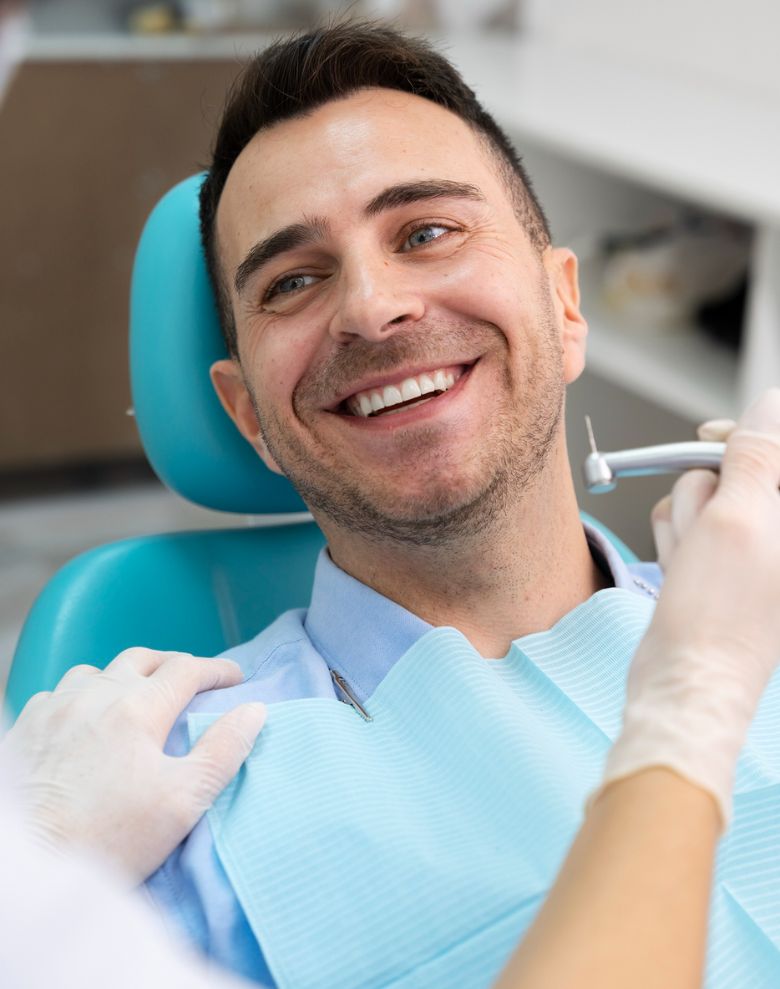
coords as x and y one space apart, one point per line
344 151
353 124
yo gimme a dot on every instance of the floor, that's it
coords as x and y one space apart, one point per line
38 535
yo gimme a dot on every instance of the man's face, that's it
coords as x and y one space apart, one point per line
403 347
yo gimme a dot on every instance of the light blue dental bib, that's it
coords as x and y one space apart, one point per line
414 850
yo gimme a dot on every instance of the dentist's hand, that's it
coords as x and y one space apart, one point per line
714 640
674 514
91 755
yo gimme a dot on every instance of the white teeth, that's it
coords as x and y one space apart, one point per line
391 395
440 381
410 389
425 381
376 400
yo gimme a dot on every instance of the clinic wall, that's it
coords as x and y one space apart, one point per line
735 42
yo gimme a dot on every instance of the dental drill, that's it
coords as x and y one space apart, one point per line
601 470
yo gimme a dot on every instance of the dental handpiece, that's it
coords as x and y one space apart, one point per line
601 470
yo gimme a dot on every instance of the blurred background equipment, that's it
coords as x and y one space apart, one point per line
677 276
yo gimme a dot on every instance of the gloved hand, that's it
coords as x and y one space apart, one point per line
91 752
673 515
714 640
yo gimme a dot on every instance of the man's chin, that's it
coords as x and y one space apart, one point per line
427 517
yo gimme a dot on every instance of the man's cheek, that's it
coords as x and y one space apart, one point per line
477 290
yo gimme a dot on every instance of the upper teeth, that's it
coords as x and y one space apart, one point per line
364 403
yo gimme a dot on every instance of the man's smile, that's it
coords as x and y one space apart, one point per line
392 395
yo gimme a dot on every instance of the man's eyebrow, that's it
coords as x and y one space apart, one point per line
413 192
286 239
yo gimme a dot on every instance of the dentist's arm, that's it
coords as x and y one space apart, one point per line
629 907
94 773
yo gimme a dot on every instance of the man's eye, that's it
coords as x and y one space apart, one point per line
424 235
290 284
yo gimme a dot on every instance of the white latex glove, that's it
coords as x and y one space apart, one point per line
95 774
673 515
714 640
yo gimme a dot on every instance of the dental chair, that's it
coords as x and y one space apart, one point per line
198 592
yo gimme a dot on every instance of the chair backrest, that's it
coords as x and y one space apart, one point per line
198 592
174 338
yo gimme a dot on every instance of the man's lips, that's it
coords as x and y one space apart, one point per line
387 394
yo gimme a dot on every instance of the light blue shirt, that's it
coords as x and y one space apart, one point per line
350 629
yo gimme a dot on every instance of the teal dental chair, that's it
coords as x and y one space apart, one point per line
198 592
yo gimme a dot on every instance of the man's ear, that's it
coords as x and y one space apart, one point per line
229 384
562 267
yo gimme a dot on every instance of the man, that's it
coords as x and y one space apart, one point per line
630 902
401 332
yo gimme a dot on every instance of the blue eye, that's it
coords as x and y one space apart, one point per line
290 284
424 235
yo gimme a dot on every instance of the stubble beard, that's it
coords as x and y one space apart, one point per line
440 515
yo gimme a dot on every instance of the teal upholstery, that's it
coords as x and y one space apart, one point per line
174 338
198 592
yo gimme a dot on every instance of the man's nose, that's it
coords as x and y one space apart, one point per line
376 300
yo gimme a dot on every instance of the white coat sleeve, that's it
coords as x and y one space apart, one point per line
65 922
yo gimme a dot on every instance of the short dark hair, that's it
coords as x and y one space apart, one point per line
298 74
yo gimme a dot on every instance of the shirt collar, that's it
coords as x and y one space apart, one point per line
361 634
607 557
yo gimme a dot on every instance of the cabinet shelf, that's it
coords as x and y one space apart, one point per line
120 46
676 367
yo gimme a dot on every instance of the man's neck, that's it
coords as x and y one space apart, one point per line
520 575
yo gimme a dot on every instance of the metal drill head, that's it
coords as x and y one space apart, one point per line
597 474
591 437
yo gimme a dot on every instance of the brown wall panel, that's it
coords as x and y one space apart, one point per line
87 149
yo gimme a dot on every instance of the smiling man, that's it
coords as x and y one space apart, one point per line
401 333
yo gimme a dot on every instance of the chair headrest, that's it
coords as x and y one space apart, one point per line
174 337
